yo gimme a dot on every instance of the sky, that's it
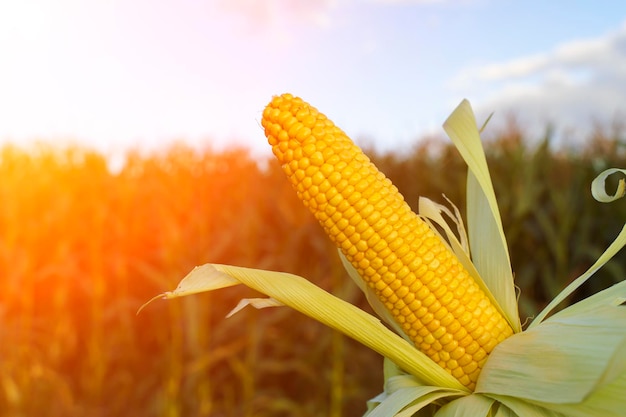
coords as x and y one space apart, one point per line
125 74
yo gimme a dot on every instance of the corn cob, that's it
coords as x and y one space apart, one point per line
420 281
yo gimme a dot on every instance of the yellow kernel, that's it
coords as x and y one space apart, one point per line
441 291
317 159
402 291
465 341
376 243
403 252
327 170
472 326
414 284
437 345
342 224
350 250
422 293
409 296
427 318
464 360
465 318
491 343
362 226
457 352
480 355
378 285
325 188
429 300
384 254
361 245
453 365
387 292
471 367
334 178
415 305
427 277
385 231
472 347
446 338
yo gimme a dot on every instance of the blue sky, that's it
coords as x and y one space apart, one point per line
120 74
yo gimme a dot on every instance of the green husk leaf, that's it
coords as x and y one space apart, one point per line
487 241
513 407
615 295
406 396
503 411
390 369
613 248
607 401
565 359
305 297
414 409
598 187
468 406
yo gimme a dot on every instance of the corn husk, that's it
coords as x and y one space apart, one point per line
571 363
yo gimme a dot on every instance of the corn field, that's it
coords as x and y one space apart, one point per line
83 247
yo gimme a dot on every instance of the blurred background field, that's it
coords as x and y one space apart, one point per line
82 247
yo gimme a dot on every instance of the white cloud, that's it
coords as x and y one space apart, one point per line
571 86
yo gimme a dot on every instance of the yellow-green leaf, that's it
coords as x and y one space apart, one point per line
607 401
564 359
431 211
613 248
299 294
258 303
514 407
487 242
405 397
468 406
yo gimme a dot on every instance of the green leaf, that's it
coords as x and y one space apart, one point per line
615 295
299 294
408 396
513 407
468 406
487 241
607 401
418 405
564 359
613 248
